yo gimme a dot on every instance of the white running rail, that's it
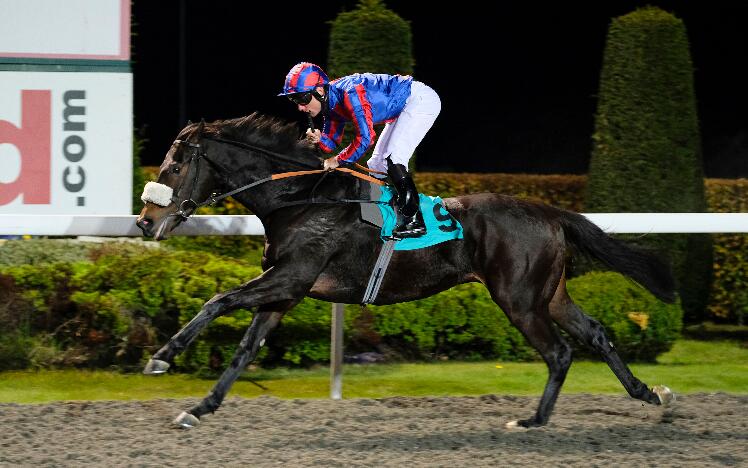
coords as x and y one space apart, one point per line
225 225
124 226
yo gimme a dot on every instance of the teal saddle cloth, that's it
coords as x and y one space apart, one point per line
440 225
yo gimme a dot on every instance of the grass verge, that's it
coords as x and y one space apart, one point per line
691 366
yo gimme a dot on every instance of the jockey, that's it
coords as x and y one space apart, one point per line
407 107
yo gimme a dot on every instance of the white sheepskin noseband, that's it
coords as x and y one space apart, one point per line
159 194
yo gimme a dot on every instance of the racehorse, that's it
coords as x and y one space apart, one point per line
318 246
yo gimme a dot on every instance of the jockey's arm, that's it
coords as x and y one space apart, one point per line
363 121
331 136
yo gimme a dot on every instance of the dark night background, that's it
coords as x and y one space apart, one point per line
517 79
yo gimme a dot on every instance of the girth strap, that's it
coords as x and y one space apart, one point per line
377 275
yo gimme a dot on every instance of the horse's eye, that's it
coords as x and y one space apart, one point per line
175 170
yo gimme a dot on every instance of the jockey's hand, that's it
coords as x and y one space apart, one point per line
313 136
331 163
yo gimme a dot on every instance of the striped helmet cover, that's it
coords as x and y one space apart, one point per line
303 77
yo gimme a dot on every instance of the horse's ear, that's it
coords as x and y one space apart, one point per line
200 128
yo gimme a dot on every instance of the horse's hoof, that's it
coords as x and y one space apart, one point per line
186 421
156 367
665 395
516 426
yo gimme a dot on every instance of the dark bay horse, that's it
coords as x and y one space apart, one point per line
516 248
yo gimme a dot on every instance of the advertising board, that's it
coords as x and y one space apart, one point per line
69 29
65 143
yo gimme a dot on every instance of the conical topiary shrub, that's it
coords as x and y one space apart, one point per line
647 150
370 38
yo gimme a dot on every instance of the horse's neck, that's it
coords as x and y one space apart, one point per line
246 167
273 195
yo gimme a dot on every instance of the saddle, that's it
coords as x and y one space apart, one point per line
441 226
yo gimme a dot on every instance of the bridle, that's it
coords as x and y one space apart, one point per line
195 157
188 205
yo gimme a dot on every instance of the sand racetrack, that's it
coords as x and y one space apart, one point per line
585 430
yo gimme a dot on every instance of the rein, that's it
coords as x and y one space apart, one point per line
192 205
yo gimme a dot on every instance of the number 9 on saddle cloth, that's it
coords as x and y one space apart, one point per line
440 225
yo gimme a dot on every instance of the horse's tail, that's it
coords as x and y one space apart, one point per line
643 267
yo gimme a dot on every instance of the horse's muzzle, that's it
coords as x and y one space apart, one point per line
146 225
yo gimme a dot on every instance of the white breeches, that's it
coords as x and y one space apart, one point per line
400 138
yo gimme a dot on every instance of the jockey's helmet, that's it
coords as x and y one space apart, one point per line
304 77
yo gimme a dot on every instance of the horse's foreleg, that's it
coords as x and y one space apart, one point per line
262 323
219 305
591 333
275 292
272 286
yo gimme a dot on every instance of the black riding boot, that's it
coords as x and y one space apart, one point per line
409 220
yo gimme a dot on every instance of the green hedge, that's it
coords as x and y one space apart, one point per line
110 311
562 191
729 297
727 301
118 309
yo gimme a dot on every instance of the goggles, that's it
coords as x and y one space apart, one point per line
301 99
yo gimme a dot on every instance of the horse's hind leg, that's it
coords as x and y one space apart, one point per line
591 333
538 329
528 311
263 322
522 284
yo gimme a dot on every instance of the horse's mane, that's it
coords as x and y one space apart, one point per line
266 132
